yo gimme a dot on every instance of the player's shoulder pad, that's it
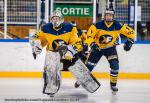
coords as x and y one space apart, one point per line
118 25
67 26
99 24
47 27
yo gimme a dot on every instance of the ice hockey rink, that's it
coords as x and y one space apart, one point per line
28 90
24 89
21 75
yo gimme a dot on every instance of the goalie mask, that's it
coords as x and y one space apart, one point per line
109 15
57 18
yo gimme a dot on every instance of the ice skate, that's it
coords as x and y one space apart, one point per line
114 90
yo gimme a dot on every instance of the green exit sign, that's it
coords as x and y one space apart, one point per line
82 10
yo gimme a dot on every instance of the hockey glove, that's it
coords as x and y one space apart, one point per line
85 47
84 53
94 47
128 44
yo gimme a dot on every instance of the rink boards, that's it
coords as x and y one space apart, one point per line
17 61
99 75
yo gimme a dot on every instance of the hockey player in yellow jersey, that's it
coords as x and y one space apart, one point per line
60 39
102 38
53 35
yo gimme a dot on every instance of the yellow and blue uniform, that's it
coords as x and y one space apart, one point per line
53 38
105 37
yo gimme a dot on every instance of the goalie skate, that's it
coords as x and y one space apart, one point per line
83 75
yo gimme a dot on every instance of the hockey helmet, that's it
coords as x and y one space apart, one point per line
110 12
57 18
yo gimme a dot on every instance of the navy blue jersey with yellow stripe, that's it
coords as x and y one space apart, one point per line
115 25
105 35
53 38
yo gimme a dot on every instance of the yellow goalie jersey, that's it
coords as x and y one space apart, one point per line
106 36
67 34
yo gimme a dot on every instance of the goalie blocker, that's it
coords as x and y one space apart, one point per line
79 70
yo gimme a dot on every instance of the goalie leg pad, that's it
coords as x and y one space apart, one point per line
53 80
52 73
83 75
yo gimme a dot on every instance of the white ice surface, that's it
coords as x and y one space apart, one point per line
29 91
